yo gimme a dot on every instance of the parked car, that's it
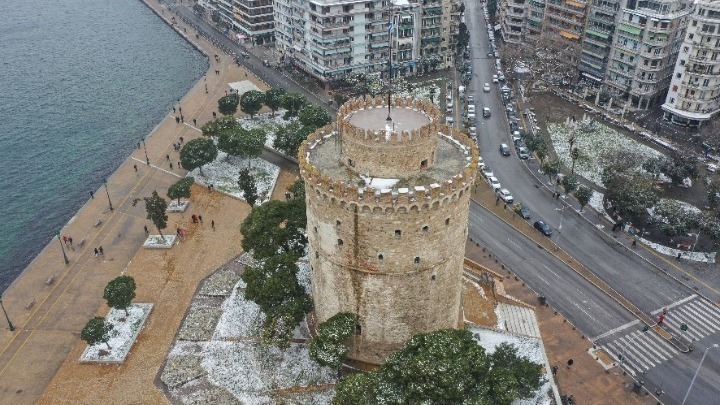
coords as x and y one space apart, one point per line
471 108
486 112
504 195
504 149
522 210
472 131
517 141
486 87
543 227
494 183
501 77
449 120
449 109
471 117
523 152
470 98
487 172
495 78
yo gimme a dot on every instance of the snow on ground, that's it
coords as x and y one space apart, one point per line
303 275
422 90
243 86
379 183
595 145
267 122
596 201
240 318
223 174
125 330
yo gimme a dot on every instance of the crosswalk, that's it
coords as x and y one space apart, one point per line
639 351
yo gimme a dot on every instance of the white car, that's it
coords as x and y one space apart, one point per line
449 120
486 87
504 195
487 171
501 77
495 78
494 183
472 131
471 108
471 116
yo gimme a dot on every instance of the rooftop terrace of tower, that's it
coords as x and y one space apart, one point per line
403 119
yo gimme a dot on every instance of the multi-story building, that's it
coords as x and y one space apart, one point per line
598 39
535 15
254 19
330 39
511 17
645 46
694 94
565 20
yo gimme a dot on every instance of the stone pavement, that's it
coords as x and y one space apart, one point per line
51 302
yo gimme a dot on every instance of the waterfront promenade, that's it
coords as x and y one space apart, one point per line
50 302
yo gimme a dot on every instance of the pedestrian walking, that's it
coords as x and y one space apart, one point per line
634 243
100 249
182 118
65 240
96 252
679 255
177 120
173 110
200 218
212 224
554 370
171 166
182 140
570 363
661 319
138 145
194 121
179 165
182 233
167 157
70 241
135 167
214 114
180 109
146 230
209 189
194 218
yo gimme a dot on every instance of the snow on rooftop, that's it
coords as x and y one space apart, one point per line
380 183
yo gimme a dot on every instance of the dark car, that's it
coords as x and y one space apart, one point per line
543 227
522 210
504 149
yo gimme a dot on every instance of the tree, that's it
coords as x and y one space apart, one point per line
120 292
215 127
273 99
244 143
570 184
251 102
289 137
181 189
313 117
713 194
629 192
276 226
227 105
293 103
710 131
197 153
444 366
551 168
248 187
329 347
673 219
97 330
156 208
463 37
583 195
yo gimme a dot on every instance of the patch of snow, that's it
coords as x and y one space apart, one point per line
159 242
243 86
303 275
240 318
596 201
224 171
267 122
527 346
176 206
379 183
126 328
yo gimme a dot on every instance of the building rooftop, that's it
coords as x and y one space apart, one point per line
404 119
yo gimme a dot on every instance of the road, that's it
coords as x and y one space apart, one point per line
645 284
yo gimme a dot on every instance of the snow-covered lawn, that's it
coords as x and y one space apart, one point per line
594 146
268 123
223 175
422 90
159 242
176 206
126 328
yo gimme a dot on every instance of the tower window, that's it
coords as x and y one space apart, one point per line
338 223
417 259
351 163
398 233
380 256
447 221
432 277
315 229
358 329
423 164
425 229
317 255
340 242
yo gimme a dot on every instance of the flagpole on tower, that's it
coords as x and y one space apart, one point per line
390 27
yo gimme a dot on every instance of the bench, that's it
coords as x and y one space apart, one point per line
30 304
50 280
98 223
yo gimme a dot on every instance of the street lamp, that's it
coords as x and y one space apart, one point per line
715 346
147 159
10 325
63 249
108 194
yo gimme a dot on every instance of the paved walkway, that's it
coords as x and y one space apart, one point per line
51 302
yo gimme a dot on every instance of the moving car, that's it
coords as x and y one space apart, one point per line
504 149
486 112
522 210
504 195
523 152
543 227
494 183
486 87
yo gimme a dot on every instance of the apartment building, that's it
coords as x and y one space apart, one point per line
254 19
598 39
645 47
329 39
511 17
694 94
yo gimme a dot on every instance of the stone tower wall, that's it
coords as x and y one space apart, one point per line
384 155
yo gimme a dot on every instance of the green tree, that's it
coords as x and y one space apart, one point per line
273 99
583 195
570 184
181 189
289 137
247 184
251 102
119 293
524 374
227 105
629 192
329 347
313 117
215 127
244 143
713 194
156 208
293 103
97 330
551 168
673 219
681 167
275 226
197 153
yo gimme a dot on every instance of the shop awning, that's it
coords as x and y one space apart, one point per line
627 28
597 34
569 35
574 4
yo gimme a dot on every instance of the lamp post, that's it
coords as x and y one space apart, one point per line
147 159
10 325
63 249
108 194
714 346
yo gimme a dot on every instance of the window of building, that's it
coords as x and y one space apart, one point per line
398 233
317 255
447 221
423 164
338 223
358 329
340 242
417 259
380 256
425 229
432 277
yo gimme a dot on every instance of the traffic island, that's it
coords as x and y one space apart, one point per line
125 329
159 242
